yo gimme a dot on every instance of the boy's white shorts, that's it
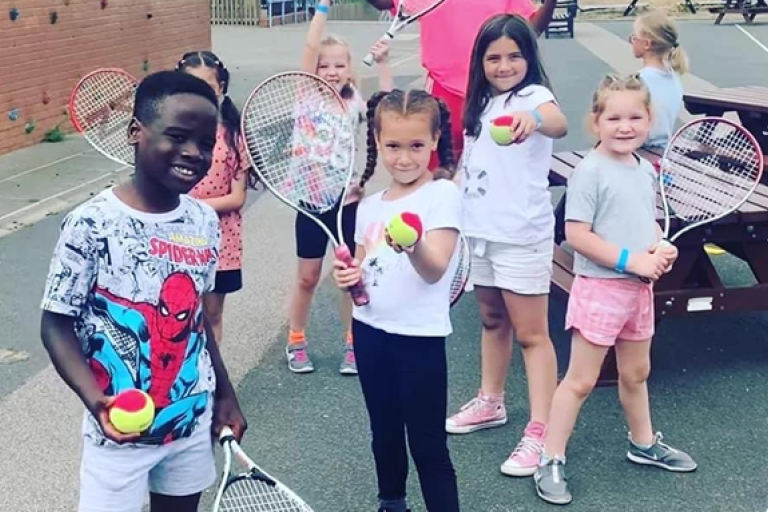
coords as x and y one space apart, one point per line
116 479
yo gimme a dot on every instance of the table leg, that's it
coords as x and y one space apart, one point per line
630 7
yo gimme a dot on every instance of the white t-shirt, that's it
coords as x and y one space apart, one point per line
402 302
666 101
134 283
506 188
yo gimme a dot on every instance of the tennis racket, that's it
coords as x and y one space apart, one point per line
459 282
408 11
252 490
709 169
301 142
101 108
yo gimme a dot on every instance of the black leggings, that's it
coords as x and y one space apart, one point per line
405 382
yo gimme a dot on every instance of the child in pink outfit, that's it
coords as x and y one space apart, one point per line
224 187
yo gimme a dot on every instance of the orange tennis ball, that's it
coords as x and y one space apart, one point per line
405 229
501 132
132 412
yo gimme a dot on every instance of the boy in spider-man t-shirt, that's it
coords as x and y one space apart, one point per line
123 310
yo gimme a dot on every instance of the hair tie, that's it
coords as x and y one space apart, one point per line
675 44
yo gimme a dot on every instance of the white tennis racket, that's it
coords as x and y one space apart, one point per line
709 169
459 282
408 11
101 108
301 142
252 490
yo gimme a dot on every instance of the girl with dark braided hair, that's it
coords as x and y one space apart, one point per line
400 335
224 187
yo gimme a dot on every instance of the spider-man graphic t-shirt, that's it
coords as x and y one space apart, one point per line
134 281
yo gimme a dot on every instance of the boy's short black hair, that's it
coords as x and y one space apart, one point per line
155 88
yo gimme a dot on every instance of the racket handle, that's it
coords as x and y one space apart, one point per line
357 291
369 59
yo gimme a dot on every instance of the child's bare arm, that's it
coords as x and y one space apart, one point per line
431 256
553 122
233 201
380 52
587 243
314 36
58 335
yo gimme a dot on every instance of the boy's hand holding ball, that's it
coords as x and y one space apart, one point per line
132 411
404 232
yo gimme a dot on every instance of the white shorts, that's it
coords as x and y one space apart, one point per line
521 269
116 479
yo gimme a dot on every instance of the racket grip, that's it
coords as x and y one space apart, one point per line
357 291
368 60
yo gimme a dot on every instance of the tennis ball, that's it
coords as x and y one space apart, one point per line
132 412
405 229
501 132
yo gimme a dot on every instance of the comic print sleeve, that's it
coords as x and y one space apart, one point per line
73 267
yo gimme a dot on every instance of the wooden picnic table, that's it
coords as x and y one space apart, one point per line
633 5
750 103
749 9
693 286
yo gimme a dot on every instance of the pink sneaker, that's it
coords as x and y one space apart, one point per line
479 413
524 460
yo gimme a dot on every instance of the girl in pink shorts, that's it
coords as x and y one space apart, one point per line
611 224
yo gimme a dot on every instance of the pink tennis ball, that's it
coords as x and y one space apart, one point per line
501 131
132 412
405 229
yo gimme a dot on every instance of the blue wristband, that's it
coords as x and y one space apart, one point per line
537 117
323 9
621 265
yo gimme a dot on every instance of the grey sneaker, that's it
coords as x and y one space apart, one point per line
298 358
348 364
661 455
551 482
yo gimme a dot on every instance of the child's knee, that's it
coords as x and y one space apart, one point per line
634 374
532 338
580 386
309 278
495 319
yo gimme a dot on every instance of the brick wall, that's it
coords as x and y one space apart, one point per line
41 61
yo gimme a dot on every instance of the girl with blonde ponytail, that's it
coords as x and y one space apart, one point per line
655 41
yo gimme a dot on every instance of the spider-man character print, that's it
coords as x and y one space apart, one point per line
170 338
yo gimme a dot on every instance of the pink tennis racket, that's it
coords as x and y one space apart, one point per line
101 108
301 142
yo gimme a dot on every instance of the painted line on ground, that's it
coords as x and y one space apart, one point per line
44 166
752 38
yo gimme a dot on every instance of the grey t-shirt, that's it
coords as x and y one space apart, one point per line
618 200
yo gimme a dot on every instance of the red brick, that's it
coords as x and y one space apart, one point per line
39 57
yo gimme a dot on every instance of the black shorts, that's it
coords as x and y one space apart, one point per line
228 281
311 240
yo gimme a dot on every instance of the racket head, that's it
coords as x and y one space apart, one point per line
101 108
415 9
460 278
249 492
300 139
710 167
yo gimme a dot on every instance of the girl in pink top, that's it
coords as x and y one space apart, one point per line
224 187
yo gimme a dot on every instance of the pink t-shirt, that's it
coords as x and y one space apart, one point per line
448 35
218 183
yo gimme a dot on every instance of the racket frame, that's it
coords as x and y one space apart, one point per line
728 211
464 255
399 22
338 242
231 448
77 123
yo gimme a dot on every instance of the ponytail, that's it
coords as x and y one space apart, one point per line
678 60
445 155
370 162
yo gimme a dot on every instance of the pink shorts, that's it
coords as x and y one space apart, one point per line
606 310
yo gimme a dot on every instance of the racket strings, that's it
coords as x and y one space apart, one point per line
249 495
103 107
462 272
301 139
708 170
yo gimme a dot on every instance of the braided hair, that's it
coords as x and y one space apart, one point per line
407 103
230 115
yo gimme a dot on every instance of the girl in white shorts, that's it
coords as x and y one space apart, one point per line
509 220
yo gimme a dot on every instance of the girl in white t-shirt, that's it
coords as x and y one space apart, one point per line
329 57
509 221
654 39
400 335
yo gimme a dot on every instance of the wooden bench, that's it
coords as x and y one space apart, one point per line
693 287
563 18
750 103
748 9
633 5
